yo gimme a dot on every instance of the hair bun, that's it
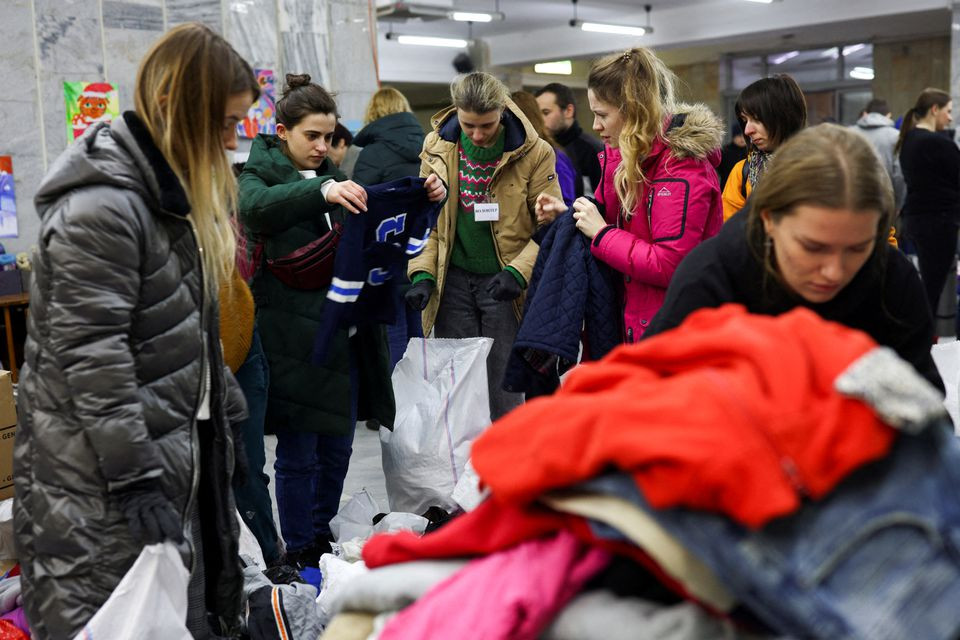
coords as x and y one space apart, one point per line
295 80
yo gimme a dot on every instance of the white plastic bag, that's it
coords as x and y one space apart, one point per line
947 358
249 546
442 406
355 519
150 603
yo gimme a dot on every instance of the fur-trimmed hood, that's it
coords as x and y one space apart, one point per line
699 135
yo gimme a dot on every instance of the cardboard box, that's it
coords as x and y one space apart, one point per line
8 433
10 282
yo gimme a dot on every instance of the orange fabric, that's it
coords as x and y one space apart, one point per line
733 199
236 320
729 412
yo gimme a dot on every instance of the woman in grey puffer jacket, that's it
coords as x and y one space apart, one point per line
125 404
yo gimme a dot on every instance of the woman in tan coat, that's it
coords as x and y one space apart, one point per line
470 278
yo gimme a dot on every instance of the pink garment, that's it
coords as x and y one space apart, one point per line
18 618
680 206
509 595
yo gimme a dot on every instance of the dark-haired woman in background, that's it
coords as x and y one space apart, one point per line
290 195
770 111
813 236
931 169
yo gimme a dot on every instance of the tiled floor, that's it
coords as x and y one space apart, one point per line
365 469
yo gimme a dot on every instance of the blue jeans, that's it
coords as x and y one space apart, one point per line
878 558
253 498
311 468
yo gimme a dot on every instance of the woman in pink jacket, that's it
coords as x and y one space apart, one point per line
659 196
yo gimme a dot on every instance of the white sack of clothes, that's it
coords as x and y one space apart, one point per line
150 603
442 406
947 358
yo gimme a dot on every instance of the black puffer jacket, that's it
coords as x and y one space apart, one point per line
391 149
111 385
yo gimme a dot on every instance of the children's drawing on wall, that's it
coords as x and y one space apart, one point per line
87 103
8 203
261 118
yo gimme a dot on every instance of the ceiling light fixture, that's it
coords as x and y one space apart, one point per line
429 41
834 52
560 67
617 29
862 73
470 16
783 57
762 1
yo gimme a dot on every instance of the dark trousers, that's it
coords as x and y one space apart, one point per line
406 325
934 237
253 498
467 311
311 468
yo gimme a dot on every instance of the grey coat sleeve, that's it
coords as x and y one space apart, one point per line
94 250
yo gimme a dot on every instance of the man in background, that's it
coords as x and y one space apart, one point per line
875 123
557 103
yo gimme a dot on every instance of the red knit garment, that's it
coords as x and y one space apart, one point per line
730 412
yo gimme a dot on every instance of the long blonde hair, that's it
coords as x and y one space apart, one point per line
637 83
386 101
183 84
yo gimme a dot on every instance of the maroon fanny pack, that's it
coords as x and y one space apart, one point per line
311 266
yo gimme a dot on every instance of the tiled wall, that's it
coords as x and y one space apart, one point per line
46 42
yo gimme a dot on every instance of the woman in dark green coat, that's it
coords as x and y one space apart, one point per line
290 195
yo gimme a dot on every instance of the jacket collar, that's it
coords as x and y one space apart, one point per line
518 132
170 193
572 133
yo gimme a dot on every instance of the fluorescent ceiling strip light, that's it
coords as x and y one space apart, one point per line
430 41
466 16
784 57
560 67
847 50
619 29
761 1
862 73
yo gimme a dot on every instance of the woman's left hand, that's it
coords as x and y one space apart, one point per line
588 218
435 189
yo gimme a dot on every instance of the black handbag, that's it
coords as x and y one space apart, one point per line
311 266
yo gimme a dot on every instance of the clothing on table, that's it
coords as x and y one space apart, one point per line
524 588
678 208
393 587
874 559
739 415
889 305
569 290
582 148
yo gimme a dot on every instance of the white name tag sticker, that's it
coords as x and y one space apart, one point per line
486 211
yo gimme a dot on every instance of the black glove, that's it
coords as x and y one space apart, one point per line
504 287
418 295
149 512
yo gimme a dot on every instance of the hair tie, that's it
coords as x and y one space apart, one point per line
626 56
